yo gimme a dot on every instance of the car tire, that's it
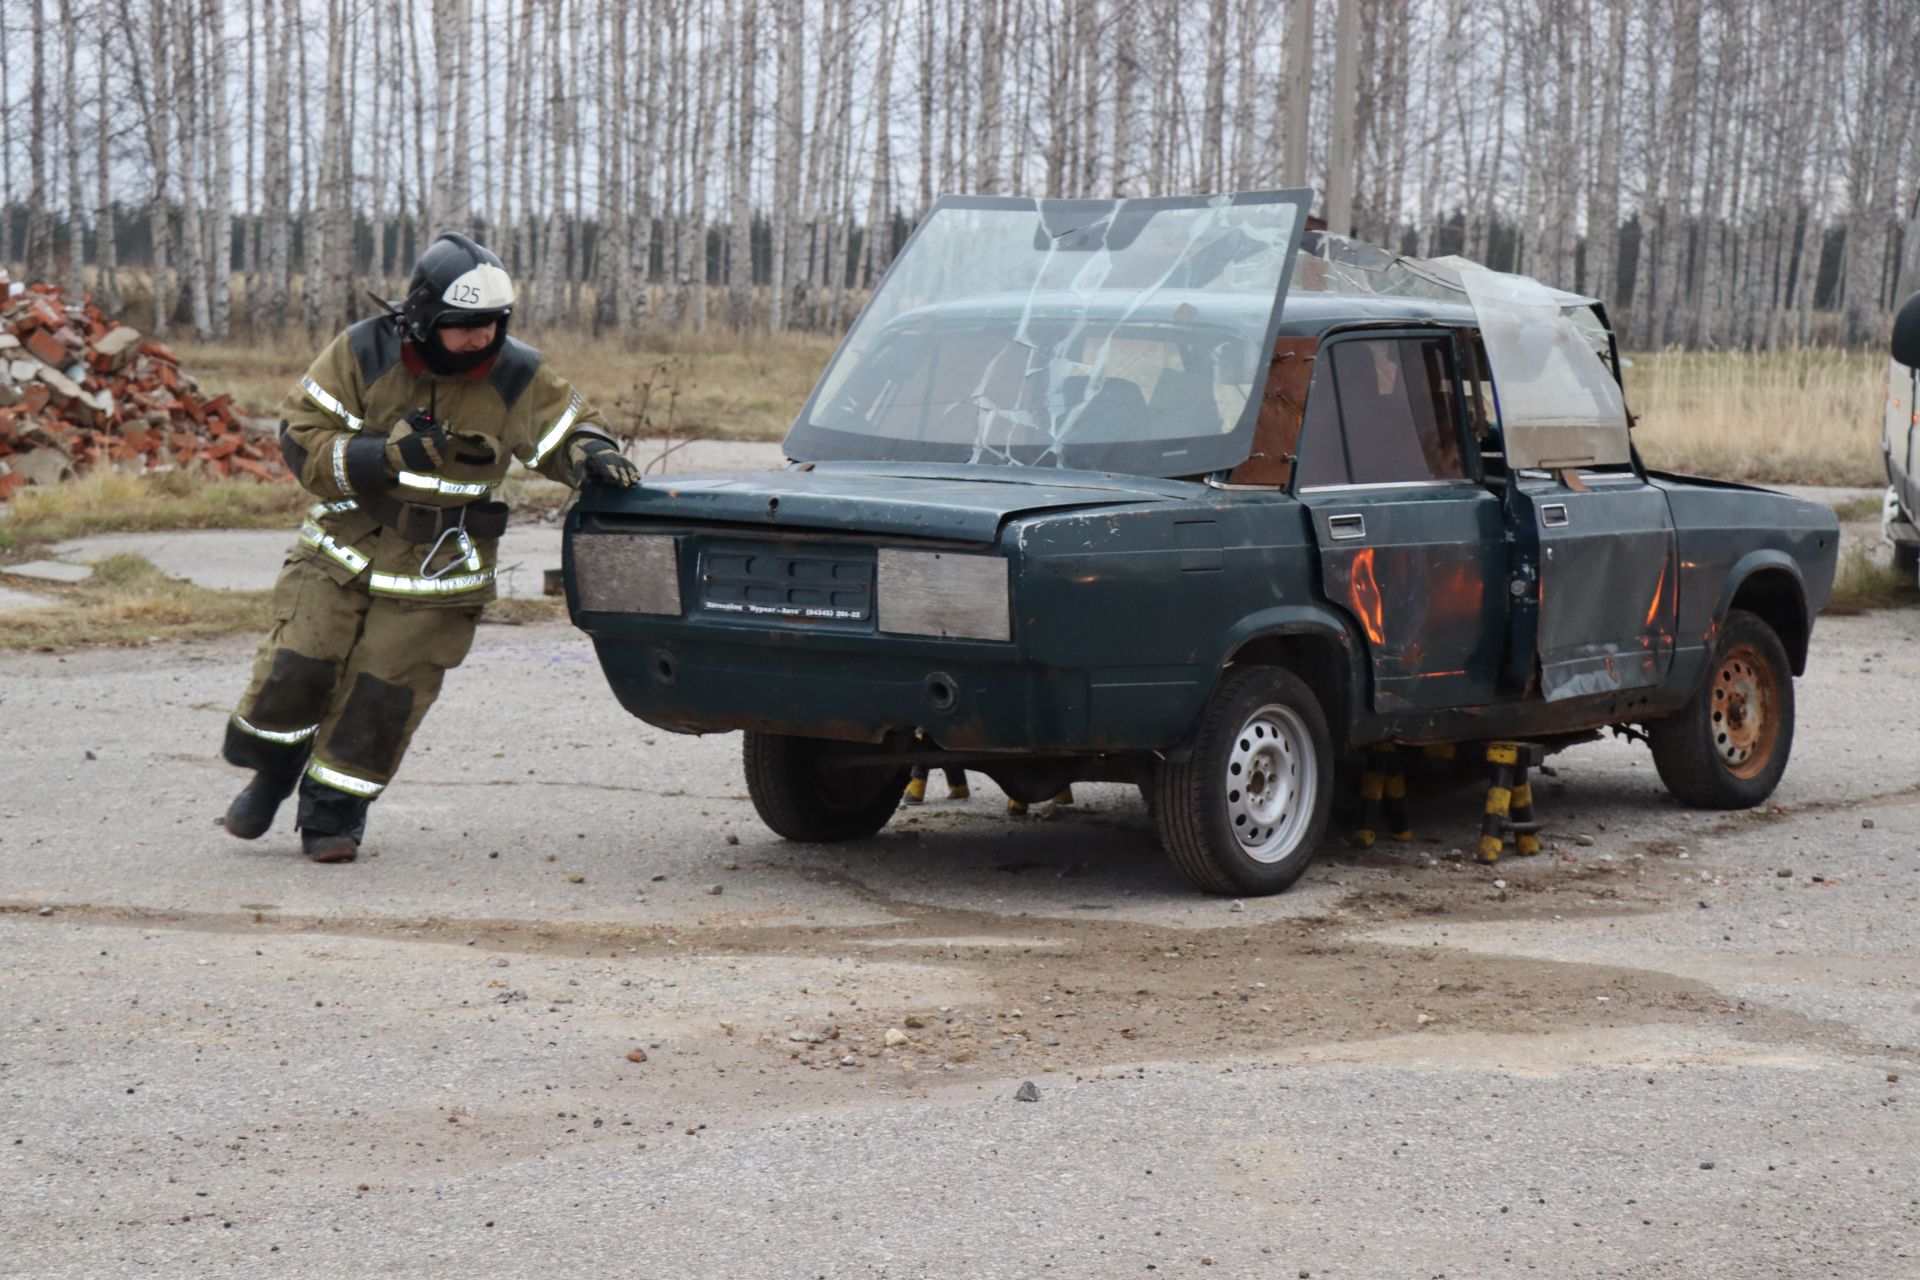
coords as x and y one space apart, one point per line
1245 812
1727 747
1906 559
801 799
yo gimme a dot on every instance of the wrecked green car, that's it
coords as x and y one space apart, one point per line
1139 490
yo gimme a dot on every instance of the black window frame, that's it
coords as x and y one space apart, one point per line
1469 446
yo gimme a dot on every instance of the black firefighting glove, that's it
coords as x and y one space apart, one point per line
599 461
423 446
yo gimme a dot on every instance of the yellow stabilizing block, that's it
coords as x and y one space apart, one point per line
1372 786
1396 806
1525 843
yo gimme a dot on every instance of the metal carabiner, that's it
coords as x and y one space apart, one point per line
468 557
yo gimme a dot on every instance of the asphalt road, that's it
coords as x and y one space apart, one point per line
1668 1048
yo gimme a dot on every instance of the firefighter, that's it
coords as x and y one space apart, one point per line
401 429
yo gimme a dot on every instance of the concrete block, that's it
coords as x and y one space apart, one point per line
49 571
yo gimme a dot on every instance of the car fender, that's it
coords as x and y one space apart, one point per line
1284 622
1769 560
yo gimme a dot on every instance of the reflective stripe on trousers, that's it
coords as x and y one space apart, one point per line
326 774
408 585
295 735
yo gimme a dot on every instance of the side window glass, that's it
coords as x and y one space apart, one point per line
1323 454
1397 418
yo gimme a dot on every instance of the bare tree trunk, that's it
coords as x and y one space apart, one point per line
1603 194
159 149
740 211
39 219
706 102
1677 145
76 201
988 140
786 162
1340 153
1297 82
1126 68
879 243
1214 105
193 264
924 86
337 162
278 166
613 307
107 286
553 248
221 208
252 128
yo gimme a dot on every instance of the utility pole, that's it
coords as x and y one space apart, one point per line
1346 48
1299 92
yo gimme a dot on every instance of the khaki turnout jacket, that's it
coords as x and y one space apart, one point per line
356 397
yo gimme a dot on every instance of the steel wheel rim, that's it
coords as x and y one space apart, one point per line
1271 780
1745 719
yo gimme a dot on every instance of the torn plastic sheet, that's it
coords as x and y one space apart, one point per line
1558 404
1339 264
1108 335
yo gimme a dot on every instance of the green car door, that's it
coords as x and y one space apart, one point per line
1410 540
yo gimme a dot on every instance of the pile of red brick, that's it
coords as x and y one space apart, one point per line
78 391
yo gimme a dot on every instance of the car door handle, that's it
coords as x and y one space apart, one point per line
1554 515
1342 528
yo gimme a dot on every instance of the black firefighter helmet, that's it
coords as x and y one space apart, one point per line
458 283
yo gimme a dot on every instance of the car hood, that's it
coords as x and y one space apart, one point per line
960 503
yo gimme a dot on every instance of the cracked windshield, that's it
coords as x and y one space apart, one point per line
1106 335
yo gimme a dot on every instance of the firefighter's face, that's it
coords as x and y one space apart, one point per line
462 342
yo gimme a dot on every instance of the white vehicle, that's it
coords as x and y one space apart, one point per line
1901 441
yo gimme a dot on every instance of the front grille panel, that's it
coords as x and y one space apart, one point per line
780 582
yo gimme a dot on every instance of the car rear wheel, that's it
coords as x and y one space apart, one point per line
1727 748
1244 813
800 793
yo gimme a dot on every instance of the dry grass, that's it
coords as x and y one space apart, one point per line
714 385
129 602
112 502
1864 583
1809 416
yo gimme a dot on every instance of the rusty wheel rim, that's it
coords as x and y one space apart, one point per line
1746 711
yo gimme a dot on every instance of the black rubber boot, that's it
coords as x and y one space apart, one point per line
332 823
321 847
250 816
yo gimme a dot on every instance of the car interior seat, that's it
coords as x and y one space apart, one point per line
1183 404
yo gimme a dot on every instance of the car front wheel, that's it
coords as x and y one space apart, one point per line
1727 748
801 793
1244 813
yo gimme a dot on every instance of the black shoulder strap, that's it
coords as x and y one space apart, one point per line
375 343
513 370
291 450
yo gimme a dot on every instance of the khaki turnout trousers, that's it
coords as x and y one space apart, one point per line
339 687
